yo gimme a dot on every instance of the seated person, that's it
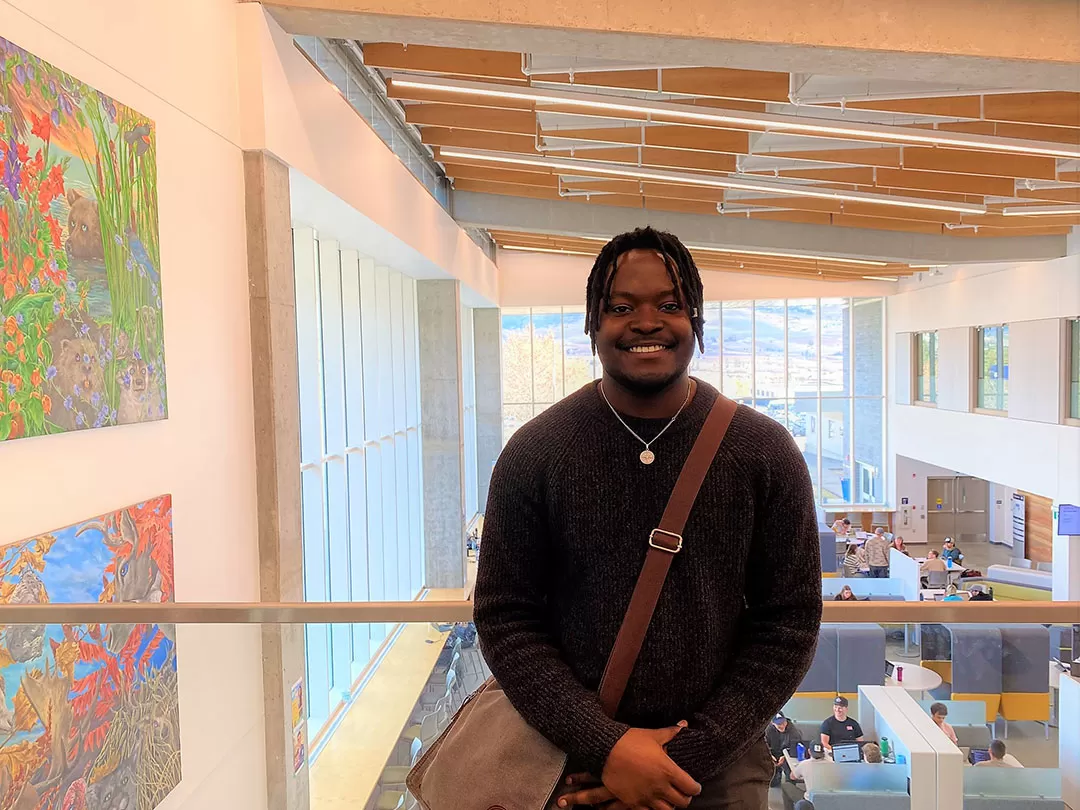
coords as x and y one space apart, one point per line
795 790
952 595
846 595
933 563
951 552
999 757
938 713
842 527
780 735
840 728
854 561
980 593
898 544
872 754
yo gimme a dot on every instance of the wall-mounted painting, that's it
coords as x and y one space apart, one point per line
89 713
81 342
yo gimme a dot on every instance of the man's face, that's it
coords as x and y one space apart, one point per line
645 339
781 726
840 713
939 718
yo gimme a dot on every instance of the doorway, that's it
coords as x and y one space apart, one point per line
957 507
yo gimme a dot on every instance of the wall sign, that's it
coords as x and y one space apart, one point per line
1019 519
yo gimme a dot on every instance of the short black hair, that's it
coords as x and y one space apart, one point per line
997 749
680 266
939 708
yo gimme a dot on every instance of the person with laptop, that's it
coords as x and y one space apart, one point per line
938 713
842 527
872 754
840 728
795 790
999 757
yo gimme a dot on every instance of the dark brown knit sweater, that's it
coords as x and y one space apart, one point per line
565 535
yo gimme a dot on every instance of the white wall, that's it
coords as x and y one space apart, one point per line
175 62
292 111
551 279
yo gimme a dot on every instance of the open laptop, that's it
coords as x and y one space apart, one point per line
847 752
979 755
890 668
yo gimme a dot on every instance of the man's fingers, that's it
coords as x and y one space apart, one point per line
675 798
581 779
597 795
683 782
666 735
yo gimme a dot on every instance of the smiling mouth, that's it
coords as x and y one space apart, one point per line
650 348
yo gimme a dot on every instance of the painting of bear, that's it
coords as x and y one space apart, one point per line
84 227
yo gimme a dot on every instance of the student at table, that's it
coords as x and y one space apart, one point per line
898 544
840 728
846 595
871 753
933 563
980 593
950 552
877 554
938 713
999 757
795 790
842 527
854 560
952 595
780 735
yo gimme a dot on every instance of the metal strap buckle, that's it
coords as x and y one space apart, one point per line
668 548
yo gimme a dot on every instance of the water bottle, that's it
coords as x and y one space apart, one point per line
884 747
800 752
899 674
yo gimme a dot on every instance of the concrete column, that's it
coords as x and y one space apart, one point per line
487 346
277 460
438 306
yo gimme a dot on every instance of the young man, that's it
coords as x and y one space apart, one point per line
840 728
938 712
951 552
877 554
573 499
794 791
999 757
780 735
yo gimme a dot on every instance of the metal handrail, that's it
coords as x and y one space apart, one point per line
461 611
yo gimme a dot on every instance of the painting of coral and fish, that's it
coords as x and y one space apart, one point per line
89 714
81 342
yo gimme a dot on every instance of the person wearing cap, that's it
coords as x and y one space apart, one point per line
840 728
950 552
877 554
795 790
780 735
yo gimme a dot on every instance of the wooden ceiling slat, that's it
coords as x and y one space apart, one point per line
1054 108
699 139
451 61
620 79
883 156
454 116
1062 195
506 189
712 82
962 161
944 181
492 141
1006 129
500 175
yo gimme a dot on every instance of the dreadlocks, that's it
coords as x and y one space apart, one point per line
677 259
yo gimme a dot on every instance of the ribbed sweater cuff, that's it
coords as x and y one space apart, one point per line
594 748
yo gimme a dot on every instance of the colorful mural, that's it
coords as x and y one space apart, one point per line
89 714
81 342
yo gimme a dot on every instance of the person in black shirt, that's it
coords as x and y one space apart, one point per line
840 728
782 734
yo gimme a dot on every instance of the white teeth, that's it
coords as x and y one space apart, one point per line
646 349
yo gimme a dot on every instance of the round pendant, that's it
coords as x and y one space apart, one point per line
647 457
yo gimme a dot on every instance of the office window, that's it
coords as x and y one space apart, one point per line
993 367
816 366
361 498
926 365
1074 368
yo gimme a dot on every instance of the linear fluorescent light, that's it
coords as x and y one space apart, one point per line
787 255
528 249
1041 211
771 122
881 278
711 181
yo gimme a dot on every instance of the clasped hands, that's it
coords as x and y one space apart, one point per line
638 775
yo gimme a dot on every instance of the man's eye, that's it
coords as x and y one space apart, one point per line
619 309
671 306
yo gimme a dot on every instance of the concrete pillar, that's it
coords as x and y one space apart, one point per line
487 346
277 459
438 307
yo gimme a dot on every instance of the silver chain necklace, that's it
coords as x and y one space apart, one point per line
648 456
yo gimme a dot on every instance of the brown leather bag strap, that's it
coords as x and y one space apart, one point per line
665 542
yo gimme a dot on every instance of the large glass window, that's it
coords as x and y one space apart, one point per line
816 366
361 502
1074 369
926 365
993 342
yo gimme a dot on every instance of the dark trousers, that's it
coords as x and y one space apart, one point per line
743 786
793 793
879 572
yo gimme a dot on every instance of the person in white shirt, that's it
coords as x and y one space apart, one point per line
999 757
842 527
801 777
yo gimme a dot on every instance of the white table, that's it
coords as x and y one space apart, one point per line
916 678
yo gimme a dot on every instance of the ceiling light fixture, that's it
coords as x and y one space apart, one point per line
786 255
881 278
528 249
770 122
1041 211
711 181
